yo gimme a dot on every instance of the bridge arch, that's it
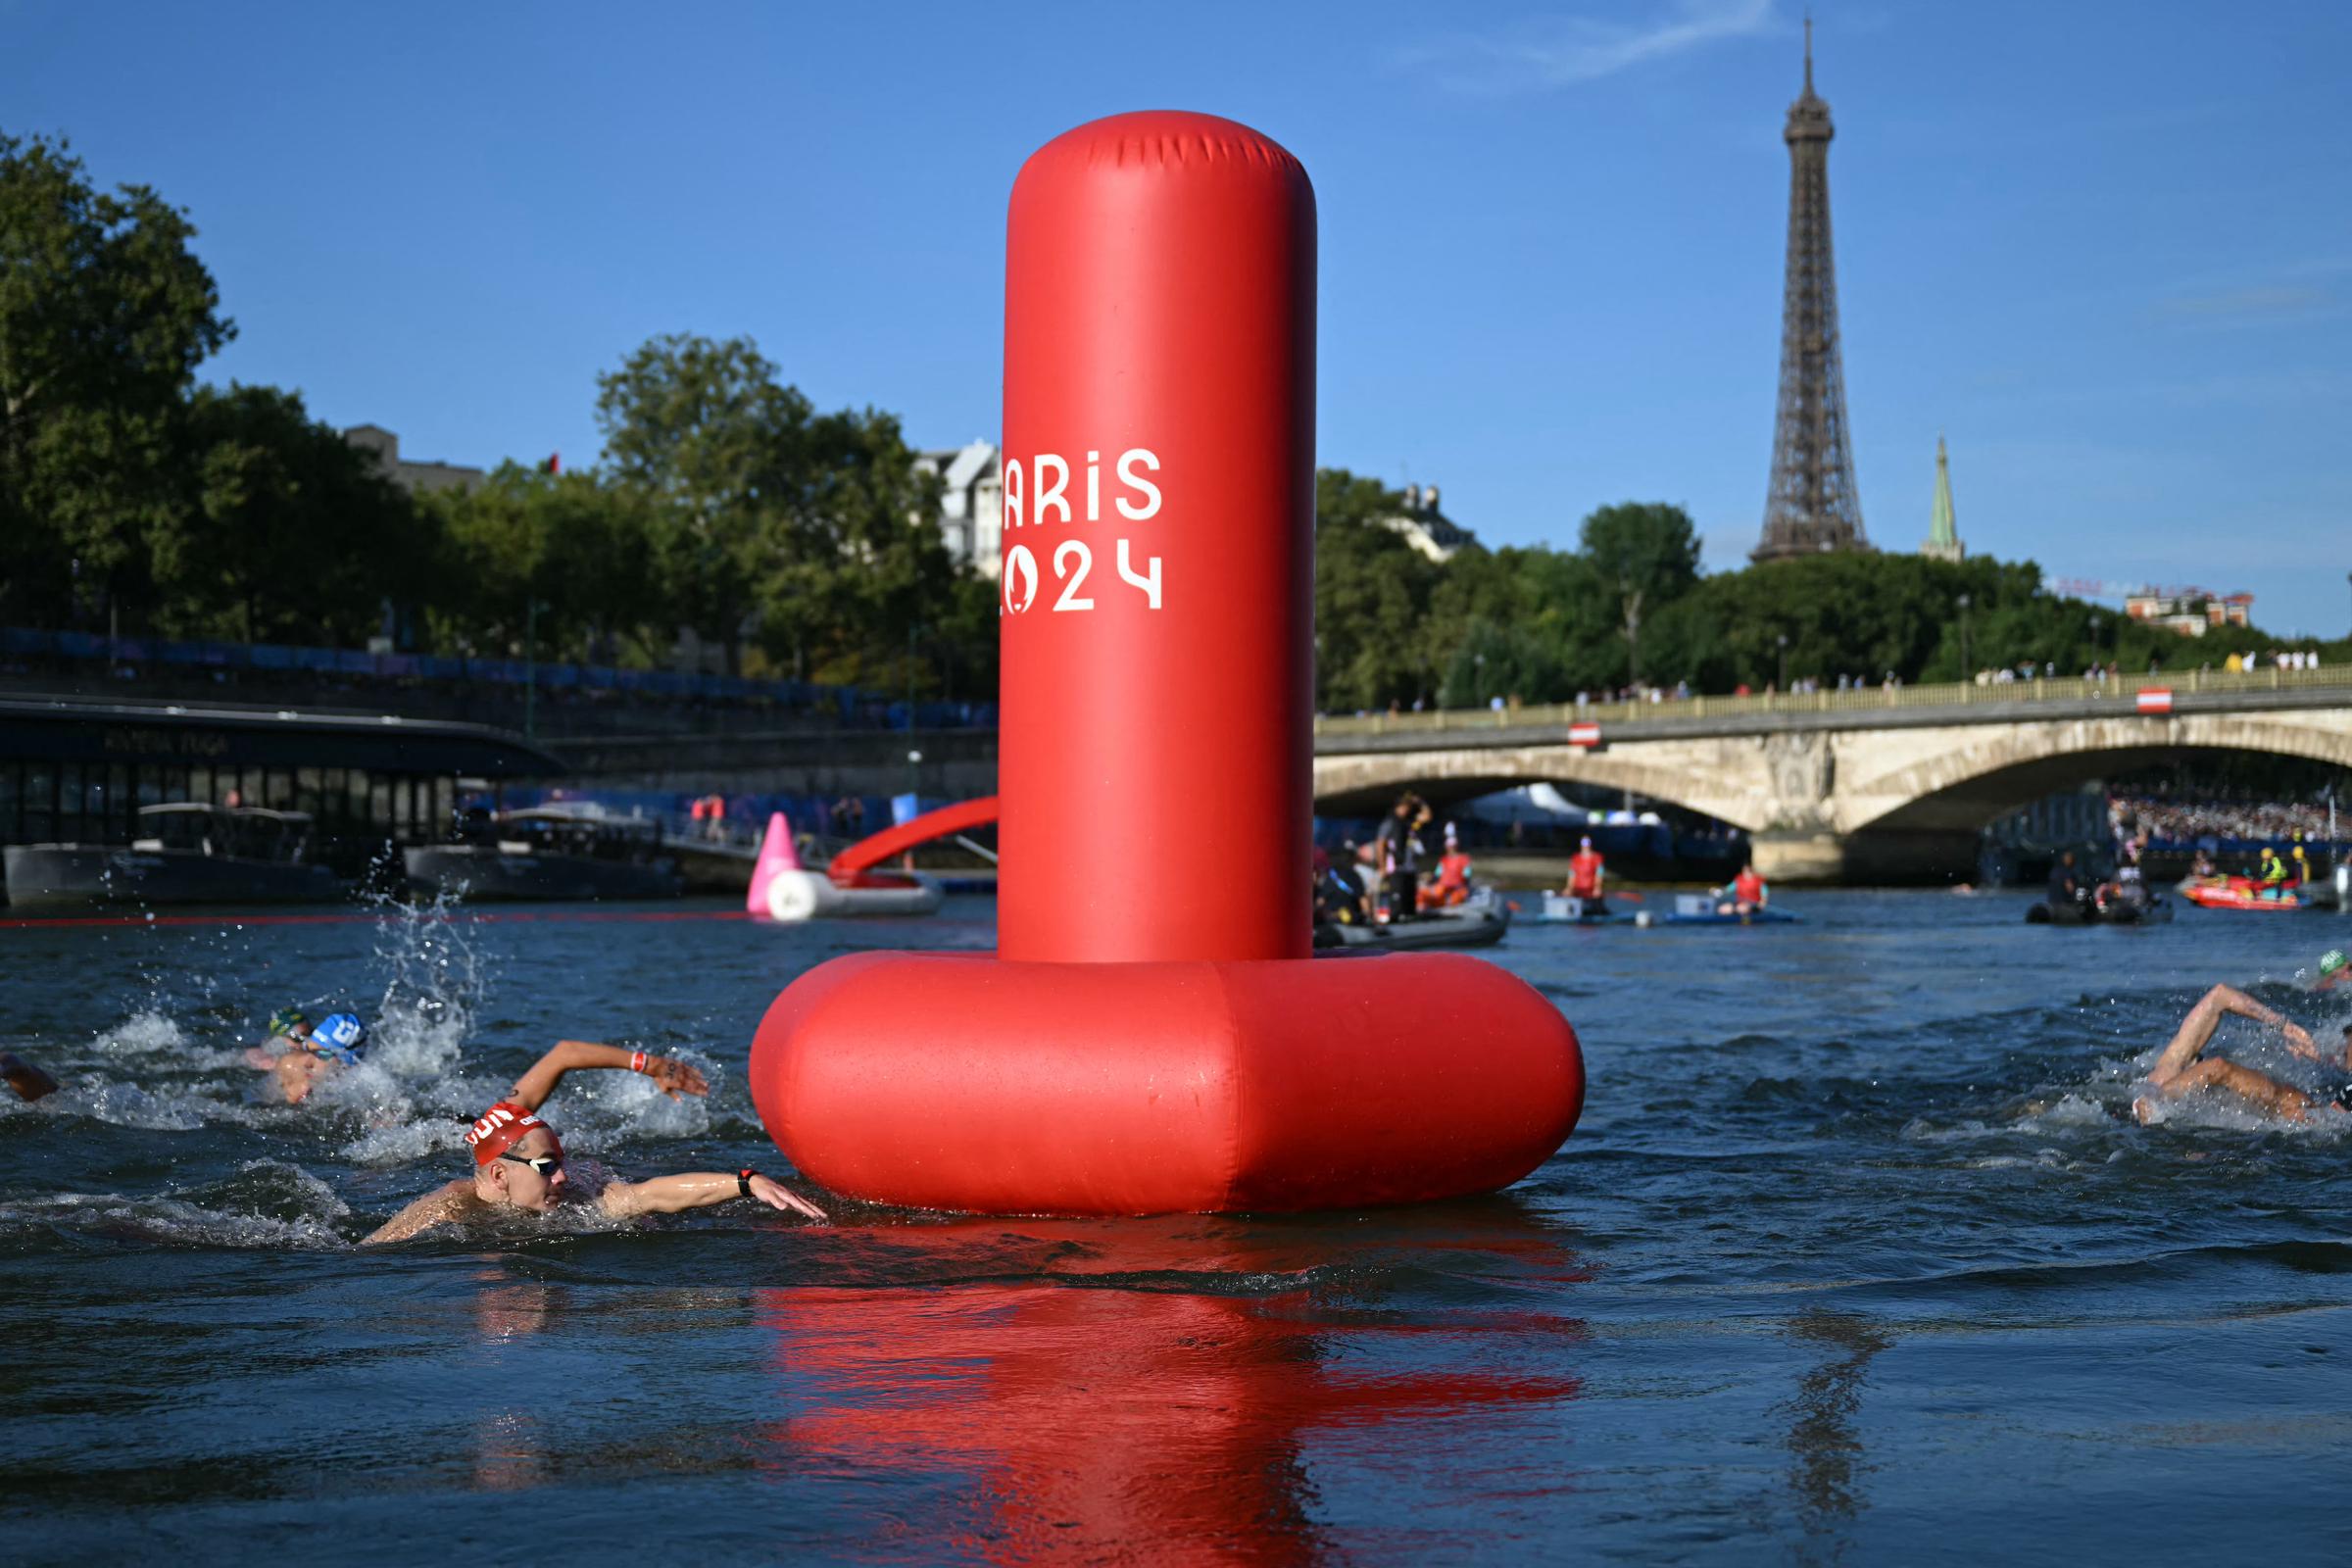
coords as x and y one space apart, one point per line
1366 783
1985 774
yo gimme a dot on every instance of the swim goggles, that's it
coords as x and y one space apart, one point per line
545 1165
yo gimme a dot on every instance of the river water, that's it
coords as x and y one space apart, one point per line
1856 1255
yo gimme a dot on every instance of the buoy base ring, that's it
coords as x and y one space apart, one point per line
968 1083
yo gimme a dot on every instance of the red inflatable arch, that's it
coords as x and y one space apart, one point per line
868 853
1151 1035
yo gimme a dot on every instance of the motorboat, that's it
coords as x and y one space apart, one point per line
2153 910
185 851
2240 892
564 852
1709 908
1477 922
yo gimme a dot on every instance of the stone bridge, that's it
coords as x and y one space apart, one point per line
1863 786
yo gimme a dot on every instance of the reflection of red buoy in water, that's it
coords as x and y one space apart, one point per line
1078 1424
1153 1035
28 1080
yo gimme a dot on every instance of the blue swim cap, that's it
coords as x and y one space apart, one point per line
340 1035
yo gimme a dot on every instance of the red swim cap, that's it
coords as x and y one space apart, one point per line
501 1128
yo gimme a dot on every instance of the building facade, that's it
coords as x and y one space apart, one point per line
971 502
411 477
2189 612
1425 526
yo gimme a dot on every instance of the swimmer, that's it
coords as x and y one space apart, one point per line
2183 1067
28 1080
2335 969
308 1054
518 1162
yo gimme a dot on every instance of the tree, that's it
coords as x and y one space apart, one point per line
720 449
1647 554
575 543
104 313
288 532
1371 598
873 566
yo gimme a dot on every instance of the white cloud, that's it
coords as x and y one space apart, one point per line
1569 50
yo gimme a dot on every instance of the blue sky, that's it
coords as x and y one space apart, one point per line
2107 249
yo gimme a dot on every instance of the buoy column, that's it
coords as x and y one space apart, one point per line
1159 572
1151 1034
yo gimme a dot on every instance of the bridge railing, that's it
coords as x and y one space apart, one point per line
2122 690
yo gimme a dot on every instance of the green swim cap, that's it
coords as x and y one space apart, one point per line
285 1020
2332 963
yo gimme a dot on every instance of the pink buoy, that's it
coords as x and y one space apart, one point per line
1151 1034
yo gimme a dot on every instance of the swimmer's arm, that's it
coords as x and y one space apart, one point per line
532 1089
436 1207
2298 1039
668 1194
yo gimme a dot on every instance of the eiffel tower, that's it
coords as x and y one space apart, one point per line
1811 505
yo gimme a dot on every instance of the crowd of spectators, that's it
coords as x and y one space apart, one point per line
2183 822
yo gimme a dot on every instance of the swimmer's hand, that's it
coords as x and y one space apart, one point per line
260 1060
2298 1040
776 1194
675 1077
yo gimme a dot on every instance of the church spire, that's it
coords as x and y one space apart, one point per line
1943 534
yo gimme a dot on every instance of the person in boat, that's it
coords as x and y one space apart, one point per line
28 1080
1339 898
1453 877
518 1161
1746 894
1401 856
2271 872
1587 875
2066 885
2185 1067
300 1056
2298 871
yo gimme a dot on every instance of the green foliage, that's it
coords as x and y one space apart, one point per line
1647 556
1629 605
285 530
104 316
575 543
1372 597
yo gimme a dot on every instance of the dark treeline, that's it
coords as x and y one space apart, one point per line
1629 608
795 542
788 540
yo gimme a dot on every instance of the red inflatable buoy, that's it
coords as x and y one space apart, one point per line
1153 1035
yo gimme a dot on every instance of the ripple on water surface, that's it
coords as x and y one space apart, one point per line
1859 1231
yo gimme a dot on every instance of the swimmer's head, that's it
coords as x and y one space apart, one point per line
518 1161
340 1037
2334 968
291 1022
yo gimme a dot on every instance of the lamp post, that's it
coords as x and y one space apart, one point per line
913 757
1965 661
530 668
1782 639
